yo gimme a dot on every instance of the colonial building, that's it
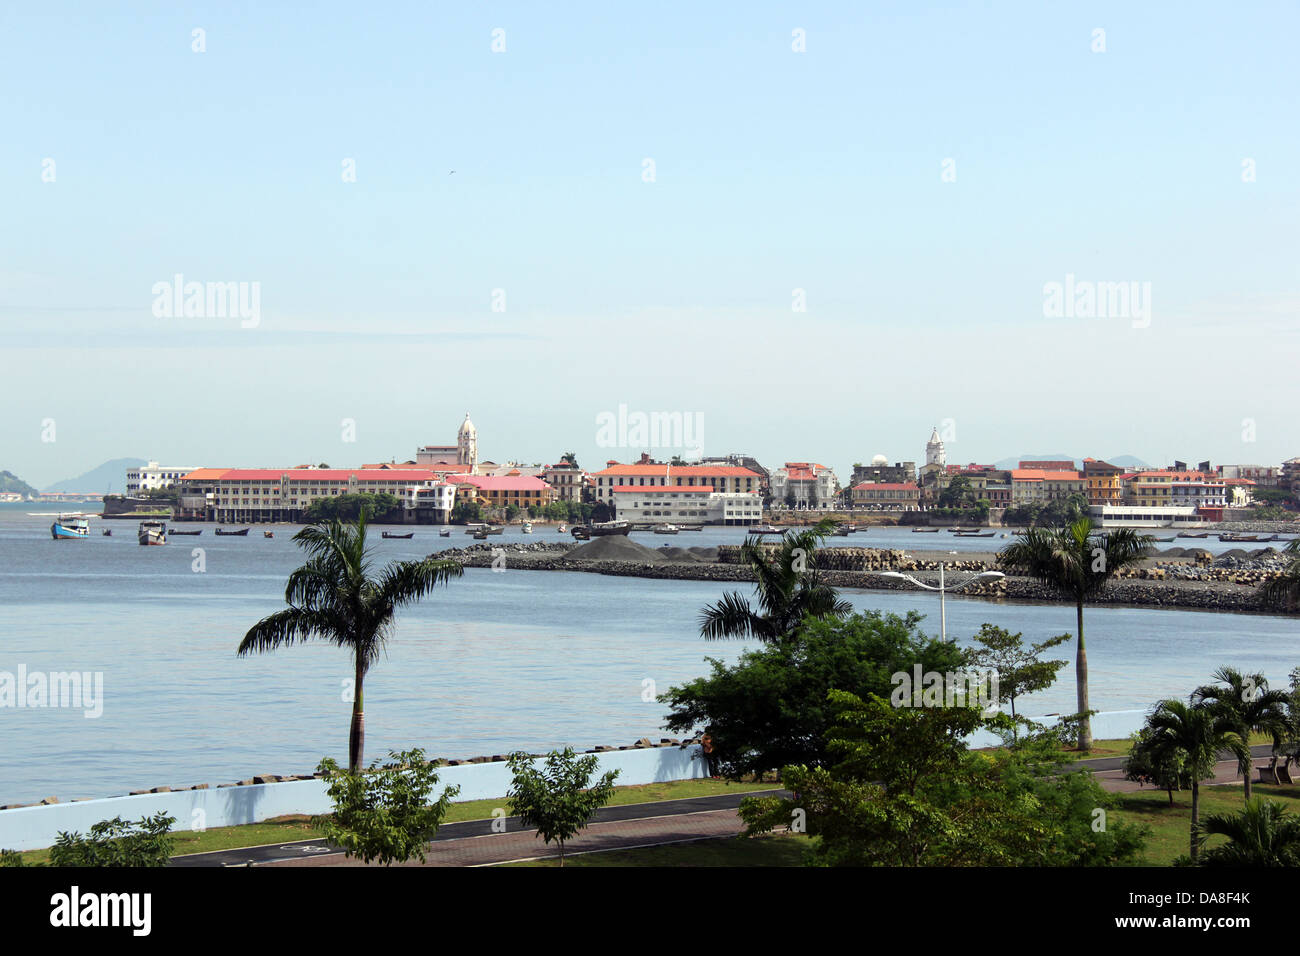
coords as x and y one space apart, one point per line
1104 484
723 479
880 469
500 491
886 496
154 476
804 484
270 494
1034 486
568 480
686 504
934 453
464 453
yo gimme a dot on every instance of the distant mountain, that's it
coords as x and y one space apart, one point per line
1127 462
11 482
108 477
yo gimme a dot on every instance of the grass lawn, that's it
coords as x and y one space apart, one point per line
289 829
1171 826
785 849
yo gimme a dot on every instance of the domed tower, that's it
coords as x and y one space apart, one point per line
934 454
467 445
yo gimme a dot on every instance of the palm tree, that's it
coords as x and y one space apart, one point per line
1247 706
1285 588
1197 734
789 586
1079 560
1261 834
335 598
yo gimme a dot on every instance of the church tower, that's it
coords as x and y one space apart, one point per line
467 445
934 454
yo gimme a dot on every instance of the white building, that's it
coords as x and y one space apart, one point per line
153 476
1148 516
811 485
934 453
464 453
685 504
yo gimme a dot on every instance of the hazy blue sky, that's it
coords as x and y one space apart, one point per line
774 170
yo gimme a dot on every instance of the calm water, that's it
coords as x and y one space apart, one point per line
495 661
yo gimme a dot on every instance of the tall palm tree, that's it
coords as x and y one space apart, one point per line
789 586
335 598
1285 588
1079 560
1197 734
1261 834
1247 706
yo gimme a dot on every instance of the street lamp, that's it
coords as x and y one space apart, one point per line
942 589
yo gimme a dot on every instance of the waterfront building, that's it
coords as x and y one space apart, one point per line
899 472
886 496
500 491
723 479
1035 486
153 476
1239 491
1263 476
685 504
740 460
1104 484
568 480
1149 516
810 485
464 453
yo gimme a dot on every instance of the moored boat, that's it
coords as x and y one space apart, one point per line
444 532
761 529
393 534
528 527
561 529
70 526
665 529
268 534
152 532
191 534
925 531
241 533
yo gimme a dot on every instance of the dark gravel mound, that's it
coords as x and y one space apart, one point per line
615 547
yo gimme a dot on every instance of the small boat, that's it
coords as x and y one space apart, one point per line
241 533
925 531
1164 540
1193 534
152 532
975 534
761 529
528 527
561 529
393 534
665 529
603 528
480 535
690 527
444 532
492 529
580 533
268 534
108 532
69 526
473 526
192 534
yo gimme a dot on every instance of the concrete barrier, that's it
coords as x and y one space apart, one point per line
31 828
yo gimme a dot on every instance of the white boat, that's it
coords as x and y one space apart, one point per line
665 529
528 527
764 529
152 532
562 529
70 526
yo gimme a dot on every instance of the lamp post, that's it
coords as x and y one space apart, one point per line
943 589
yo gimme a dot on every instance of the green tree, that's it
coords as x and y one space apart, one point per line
1262 834
463 512
1078 560
558 798
1245 705
1196 734
385 813
788 584
959 493
770 709
336 598
1156 759
1284 589
570 458
908 792
1020 670
115 842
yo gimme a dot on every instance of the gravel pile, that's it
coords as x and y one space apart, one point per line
616 547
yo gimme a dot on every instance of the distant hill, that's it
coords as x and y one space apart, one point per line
108 477
1127 462
11 482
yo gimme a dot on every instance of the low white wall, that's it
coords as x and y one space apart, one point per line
30 828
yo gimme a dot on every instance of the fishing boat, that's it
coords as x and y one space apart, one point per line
528 527
394 534
580 533
191 534
70 526
473 526
444 532
493 529
975 534
268 534
561 529
761 529
152 532
665 529
602 528
241 533
925 531
690 527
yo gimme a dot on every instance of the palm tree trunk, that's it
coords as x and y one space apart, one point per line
1196 815
357 737
1081 683
1247 766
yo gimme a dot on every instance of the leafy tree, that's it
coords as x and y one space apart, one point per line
557 798
1158 760
908 792
512 512
958 493
1262 834
464 512
1195 735
790 500
334 597
349 507
115 842
570 458
1078 560
1245 705
1284 589
770 709
384 813
1019 669
789 586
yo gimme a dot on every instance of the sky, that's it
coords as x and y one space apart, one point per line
817 229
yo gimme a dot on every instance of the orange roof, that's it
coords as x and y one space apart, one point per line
1035 474
684 471
205 474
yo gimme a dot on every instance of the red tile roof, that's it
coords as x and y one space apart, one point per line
625 489
327 474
